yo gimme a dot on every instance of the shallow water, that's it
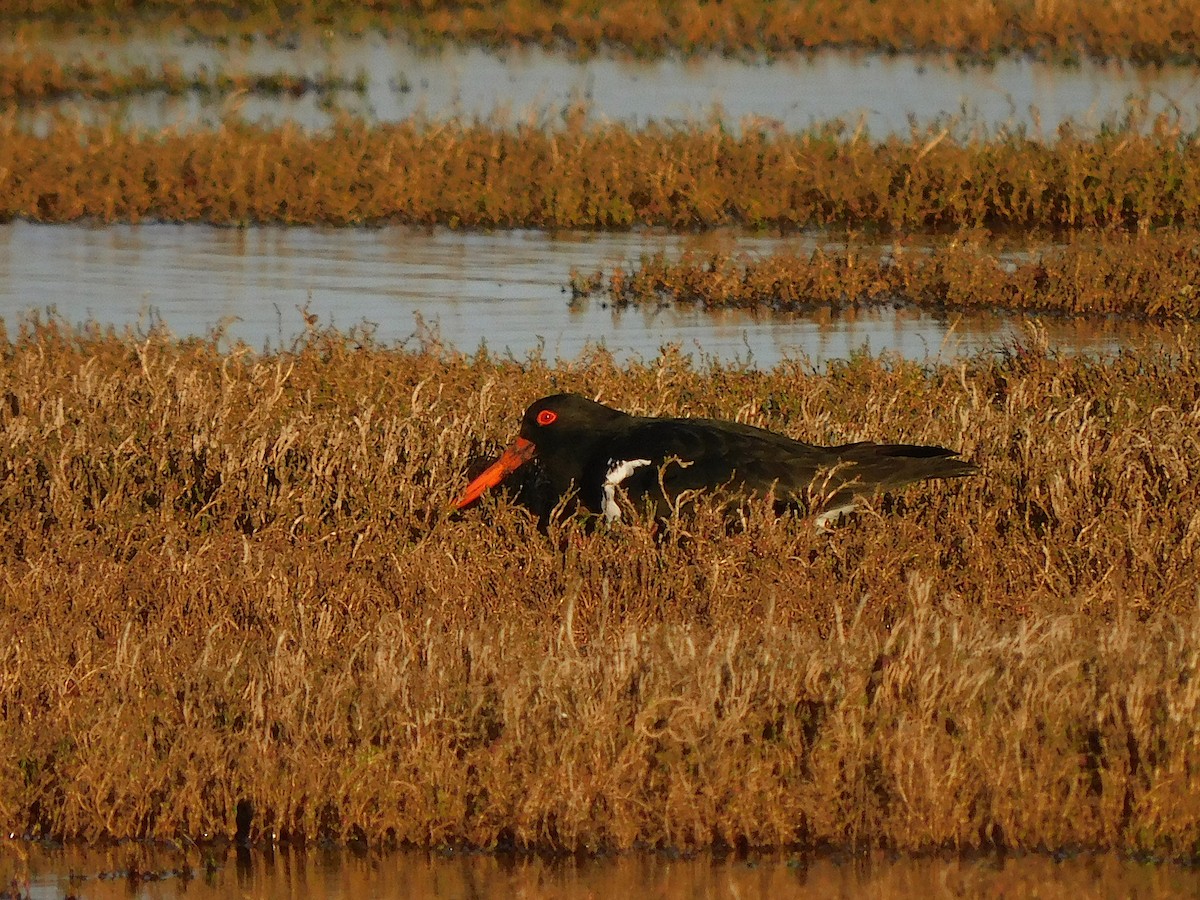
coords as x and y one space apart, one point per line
507 291
885 94
325 875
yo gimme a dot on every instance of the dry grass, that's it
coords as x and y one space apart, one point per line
1148 276
36 77
1151 32
230 577
575 175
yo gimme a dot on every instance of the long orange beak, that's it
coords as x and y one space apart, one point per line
518 453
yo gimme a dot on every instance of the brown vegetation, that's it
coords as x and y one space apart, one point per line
1153 276
234 577
1151 32
580 176
38 77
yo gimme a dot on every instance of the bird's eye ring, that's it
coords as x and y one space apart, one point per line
546 417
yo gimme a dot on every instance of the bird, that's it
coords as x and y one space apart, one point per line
589 452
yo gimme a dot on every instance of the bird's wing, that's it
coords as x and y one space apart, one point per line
693 454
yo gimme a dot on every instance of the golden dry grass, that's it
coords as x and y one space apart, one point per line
576 175
233 577
1151 32
1150 276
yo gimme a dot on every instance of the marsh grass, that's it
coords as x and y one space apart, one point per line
232 577
36 77
1135 176
1149 33
1143 276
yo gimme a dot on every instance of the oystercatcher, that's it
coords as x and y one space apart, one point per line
595 450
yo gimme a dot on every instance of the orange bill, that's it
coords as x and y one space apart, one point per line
518 453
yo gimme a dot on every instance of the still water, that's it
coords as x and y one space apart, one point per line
509 291
886 95
134 871
506 291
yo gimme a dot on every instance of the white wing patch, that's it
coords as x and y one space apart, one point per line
831 516
618 471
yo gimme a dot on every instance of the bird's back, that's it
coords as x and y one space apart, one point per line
704 454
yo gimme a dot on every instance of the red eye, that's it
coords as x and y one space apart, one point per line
546 417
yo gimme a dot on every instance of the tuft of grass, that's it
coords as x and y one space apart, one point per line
31 77
1145 276
229 577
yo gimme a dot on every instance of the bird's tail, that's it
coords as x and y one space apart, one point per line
927 462
892 465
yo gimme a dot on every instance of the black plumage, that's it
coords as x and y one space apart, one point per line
596 451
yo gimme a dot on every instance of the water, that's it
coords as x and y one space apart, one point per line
506 291
884 94
326 875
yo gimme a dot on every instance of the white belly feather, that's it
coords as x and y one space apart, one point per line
618 471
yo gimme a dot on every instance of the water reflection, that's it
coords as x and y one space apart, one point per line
886 93
504 290
144 871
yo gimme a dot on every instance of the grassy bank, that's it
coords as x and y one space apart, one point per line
1153 32
232 578
577 175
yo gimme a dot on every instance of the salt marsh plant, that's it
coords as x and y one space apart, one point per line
1150 33
230 576
578 175
1144 276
